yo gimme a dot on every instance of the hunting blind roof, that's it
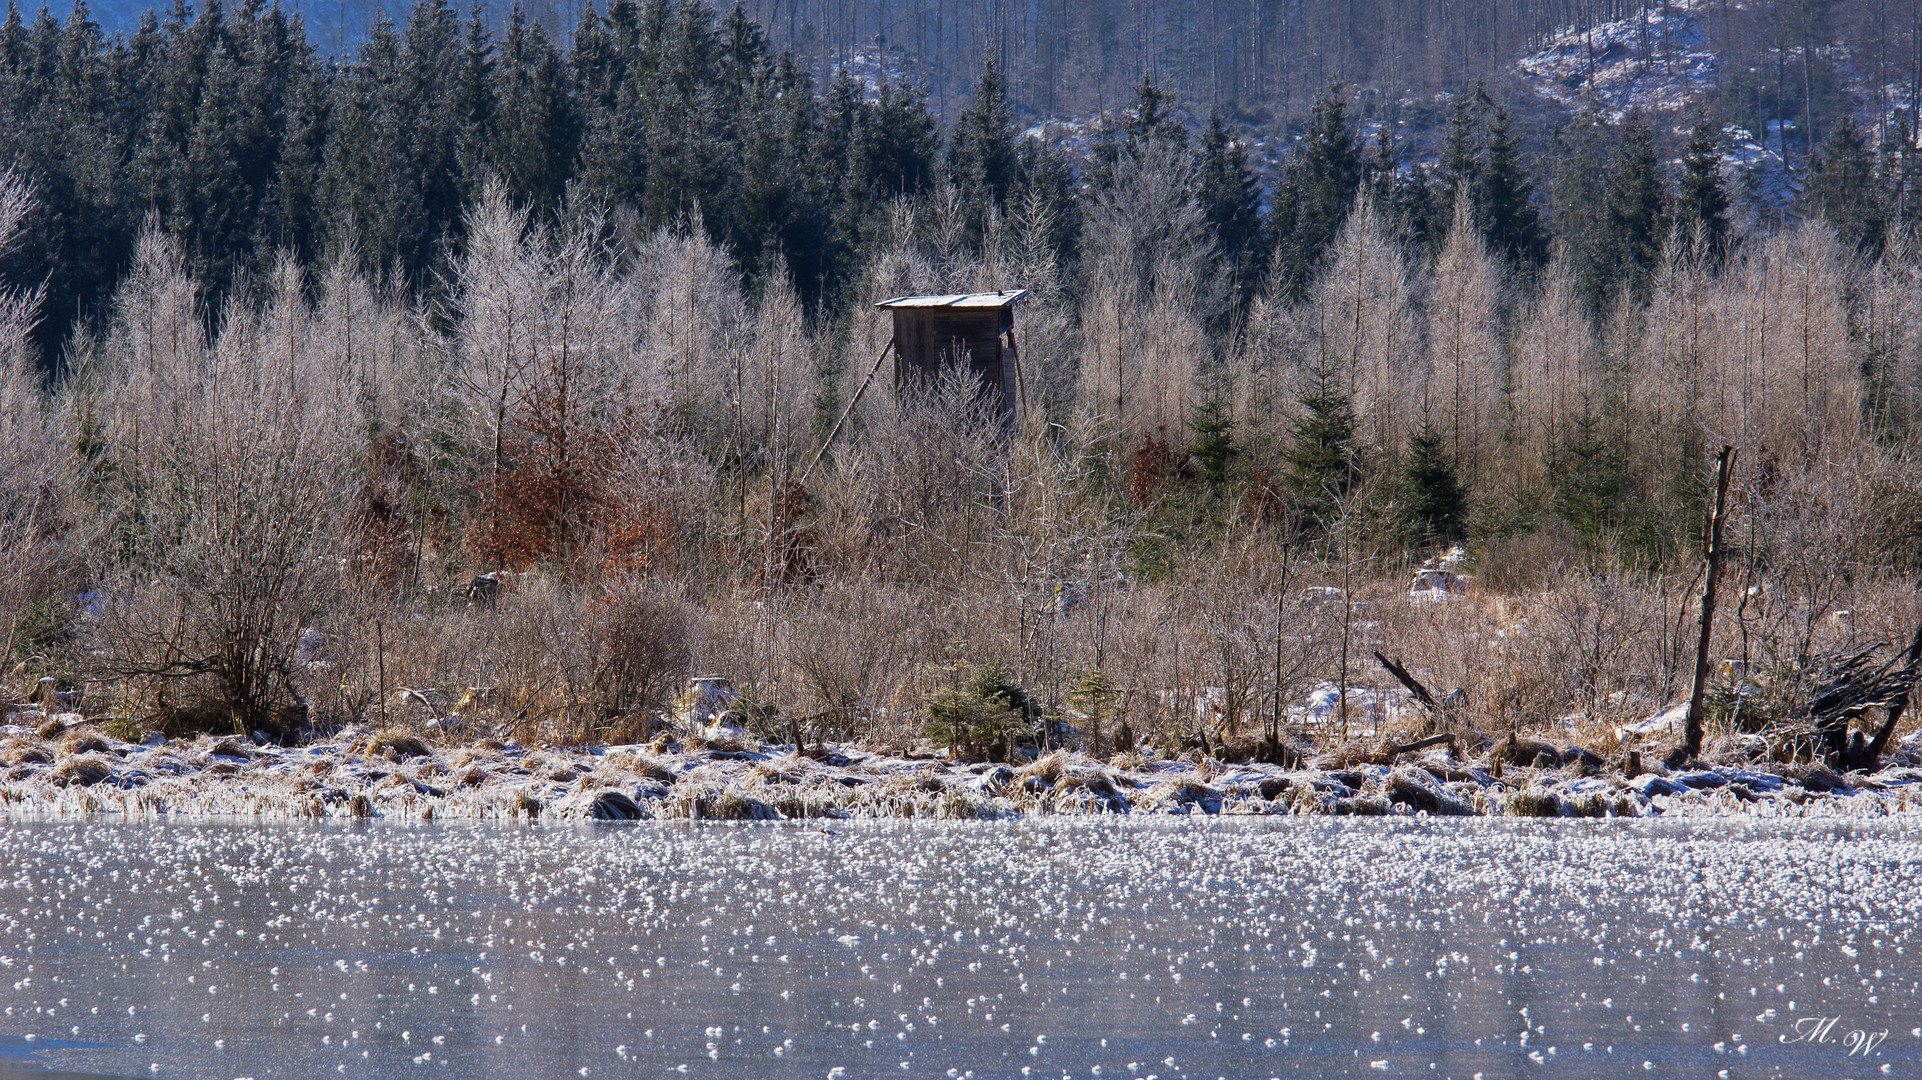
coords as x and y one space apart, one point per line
957 300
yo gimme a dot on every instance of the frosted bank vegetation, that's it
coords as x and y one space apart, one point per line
363 775
520 508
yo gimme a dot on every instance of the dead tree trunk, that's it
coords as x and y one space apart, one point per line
1691 747
1413 686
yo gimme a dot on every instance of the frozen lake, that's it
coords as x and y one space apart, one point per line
1217 948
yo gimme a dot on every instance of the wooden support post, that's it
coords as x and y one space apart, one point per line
845 413
1281 595
1691 747
1020 382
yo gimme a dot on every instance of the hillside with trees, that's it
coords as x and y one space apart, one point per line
297 350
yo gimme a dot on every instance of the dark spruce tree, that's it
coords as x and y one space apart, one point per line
1317 189
1637 217
370 190
1401 194
1213 449
474 104
685 131
1231 196
1593 491
1379 169
431 65
1047 174
1153 117
874 152
1432 505
1579 197
536 131
1504 201
1843 190
67 121
1902 174
1149 120
1701 198
1459 171
1321 460
983 163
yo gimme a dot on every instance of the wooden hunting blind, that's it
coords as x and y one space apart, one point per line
972 328
933 331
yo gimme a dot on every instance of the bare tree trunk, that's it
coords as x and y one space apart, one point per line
1692 727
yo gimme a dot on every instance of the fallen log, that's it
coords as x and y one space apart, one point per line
1847 688
1447 737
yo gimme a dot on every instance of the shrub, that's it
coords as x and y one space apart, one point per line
644 637
982 712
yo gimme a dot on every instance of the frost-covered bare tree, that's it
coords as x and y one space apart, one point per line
498 282
37 477
900 266
1678 335
1025 253
1048 336
1464 347
1889 340
1154 285
1792 384
922 479
691 331
780 377
365 329
234 472
1265 368
1362 321
956 265
1552 377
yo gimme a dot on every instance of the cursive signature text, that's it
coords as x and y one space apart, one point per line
1821 1030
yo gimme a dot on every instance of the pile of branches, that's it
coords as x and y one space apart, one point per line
1844 688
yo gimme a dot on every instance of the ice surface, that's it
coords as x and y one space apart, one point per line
1307 947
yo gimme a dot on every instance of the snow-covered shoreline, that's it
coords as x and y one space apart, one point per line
82 773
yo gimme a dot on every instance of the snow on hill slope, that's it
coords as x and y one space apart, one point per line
1656 59
1659 60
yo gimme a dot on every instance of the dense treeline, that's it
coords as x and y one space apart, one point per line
227 130
280 449
1266 60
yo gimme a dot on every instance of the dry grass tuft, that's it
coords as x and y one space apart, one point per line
394 744
712 801
84 742
82 770
1534 802
23 750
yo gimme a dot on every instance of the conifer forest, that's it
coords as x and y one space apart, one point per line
490 373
